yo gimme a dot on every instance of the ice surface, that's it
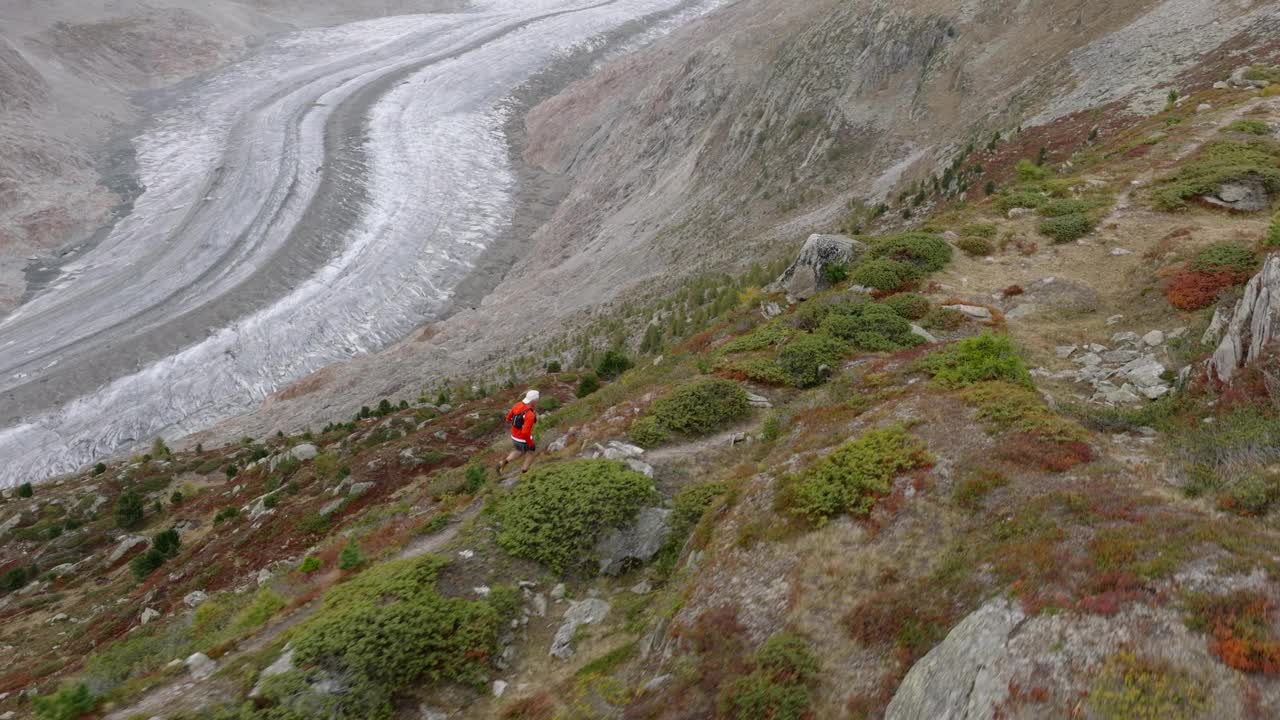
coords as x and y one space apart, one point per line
317 200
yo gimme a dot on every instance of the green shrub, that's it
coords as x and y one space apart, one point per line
1029 171
835 273
264 606
25 490
975 486
553 367
474 478
1262 73
1058 207
772 428
167 543
1238 444
350 558
1253 494
557 512
884 274
761 370
176 498
385 630
226 513
872 327
764 337
925 251
1067 228
310 564
1225 256
984 357
943 319
1020 198
1249 126
701 407
1217 162
986 231
588 384
17 577
975 246
146 563
908 305
1272 240
129 510
777 688
647 432
851 478
99 468
1135 688
69 703
312 524
804 357
613 364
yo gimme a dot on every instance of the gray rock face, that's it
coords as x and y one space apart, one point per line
808 274
200 666
194 598
282 665
585 612
1253 324
1246 195
639 541
306 451
126 544
973 311
952 681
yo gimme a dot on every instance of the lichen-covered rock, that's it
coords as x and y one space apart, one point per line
585 612
808 274
1253 324
637 542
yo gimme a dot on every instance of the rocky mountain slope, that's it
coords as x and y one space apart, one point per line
987 468
765 122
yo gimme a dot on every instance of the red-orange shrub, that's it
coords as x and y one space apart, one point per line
1197 289
1030 450
1241 626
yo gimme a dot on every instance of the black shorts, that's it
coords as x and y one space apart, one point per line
522 446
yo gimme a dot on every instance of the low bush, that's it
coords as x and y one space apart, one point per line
312 524
1194 290
884 274
1237 445
851 478
1058 207
701 407
1034 451
350 558
68 703
975 486
613 364
987 231
804 358
1134 687
766 336
871 327
911 306
777 686
1253 494
1020 198
25 490
925 251
555 515
1217 162
264 606
761 370
386 629
944 319
647 432
984 357
1272 239
164 546
588 384
310 564
1067 228
1225 257
129 510
976 246
1242 627
1249 126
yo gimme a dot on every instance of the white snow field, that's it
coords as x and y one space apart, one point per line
317 200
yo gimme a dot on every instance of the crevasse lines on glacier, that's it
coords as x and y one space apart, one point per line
194 307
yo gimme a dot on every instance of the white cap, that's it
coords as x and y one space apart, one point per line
531 397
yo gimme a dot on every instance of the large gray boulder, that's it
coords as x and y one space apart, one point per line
1253 324
637 542
808 274
1248 194
953 681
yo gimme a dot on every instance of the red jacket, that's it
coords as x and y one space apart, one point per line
525 433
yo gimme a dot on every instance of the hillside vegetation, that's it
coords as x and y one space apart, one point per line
958 457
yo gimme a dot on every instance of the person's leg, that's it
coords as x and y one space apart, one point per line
510 456
528 461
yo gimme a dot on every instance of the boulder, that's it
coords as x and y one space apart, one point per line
585 612
194 598
953 680
976 312
925 334
1248 194
129 542
149 614
758 401
639 541
200 666
1062 297
1253 323
808 274
1153 338
282 665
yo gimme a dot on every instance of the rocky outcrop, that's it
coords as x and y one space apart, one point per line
1248 194
635 543
808 274
1253 324
585 612
953 681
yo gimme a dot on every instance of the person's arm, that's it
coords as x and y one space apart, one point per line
510 414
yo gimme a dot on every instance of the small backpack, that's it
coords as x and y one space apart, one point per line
517 421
